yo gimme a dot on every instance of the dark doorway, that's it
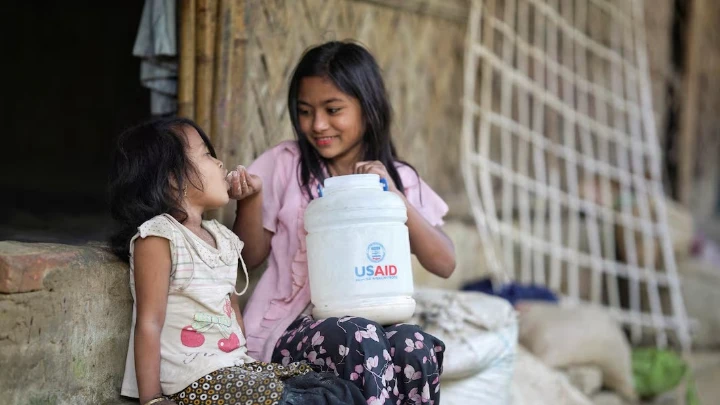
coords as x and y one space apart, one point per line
72 86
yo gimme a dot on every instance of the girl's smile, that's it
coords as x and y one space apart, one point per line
325 141
332 122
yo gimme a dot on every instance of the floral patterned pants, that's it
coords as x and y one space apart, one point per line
398 364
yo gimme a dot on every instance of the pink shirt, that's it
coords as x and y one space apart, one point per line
283 292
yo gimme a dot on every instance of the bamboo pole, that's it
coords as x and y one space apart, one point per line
206 20
689 127
186 76
226 116
222 92
238 49
236 137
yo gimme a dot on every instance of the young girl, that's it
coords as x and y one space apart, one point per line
341 115
187 343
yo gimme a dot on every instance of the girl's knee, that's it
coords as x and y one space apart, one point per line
363 323
350 332
404 329
362 330
401 333
415 347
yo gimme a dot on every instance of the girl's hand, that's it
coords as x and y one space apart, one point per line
378 168
243 184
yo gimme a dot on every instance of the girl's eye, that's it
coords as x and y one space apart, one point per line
333 111
303 112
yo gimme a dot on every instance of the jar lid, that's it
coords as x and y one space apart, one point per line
352 182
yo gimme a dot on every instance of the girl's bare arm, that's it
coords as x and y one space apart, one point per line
152 264
430 244
248 226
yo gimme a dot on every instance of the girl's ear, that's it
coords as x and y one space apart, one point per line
172 181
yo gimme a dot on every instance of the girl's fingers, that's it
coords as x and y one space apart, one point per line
378 168
239 173
237 192
363 168
374 167
241 183
246 186
360 167
233 183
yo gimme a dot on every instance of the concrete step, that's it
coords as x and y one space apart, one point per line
65 316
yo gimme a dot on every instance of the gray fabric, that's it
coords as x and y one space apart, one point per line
320 389
156 45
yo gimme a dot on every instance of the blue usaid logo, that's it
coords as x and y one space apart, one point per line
375 253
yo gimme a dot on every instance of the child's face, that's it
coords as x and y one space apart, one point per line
214 193
330 119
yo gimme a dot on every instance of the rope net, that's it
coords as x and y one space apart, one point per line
561 160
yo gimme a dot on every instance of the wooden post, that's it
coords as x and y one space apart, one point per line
238 139
688 125
227 99
206 19
186 75
223 77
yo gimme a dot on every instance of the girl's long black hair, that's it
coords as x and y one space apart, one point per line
355 72
149 172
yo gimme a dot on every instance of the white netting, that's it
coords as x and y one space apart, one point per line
561 160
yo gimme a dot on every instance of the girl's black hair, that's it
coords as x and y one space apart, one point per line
354 71
149 172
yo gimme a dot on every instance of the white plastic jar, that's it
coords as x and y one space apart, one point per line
358 250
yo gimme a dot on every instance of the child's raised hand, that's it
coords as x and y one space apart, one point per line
243 184
376 167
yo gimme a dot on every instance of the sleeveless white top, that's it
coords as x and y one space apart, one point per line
201 333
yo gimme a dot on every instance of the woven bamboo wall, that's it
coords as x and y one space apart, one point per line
420 54
419 45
